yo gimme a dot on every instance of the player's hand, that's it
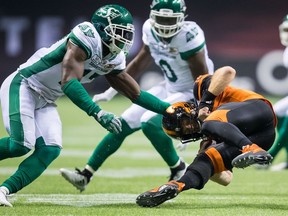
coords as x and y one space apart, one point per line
100 97
182 147
105 96
203 113
109 121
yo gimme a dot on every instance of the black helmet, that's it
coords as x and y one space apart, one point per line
180 122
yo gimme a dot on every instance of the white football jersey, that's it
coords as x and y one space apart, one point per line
172 57
43 69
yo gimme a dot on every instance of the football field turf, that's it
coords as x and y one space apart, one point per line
135 168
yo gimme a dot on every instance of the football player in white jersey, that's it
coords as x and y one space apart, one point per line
30 117
281 107
178 47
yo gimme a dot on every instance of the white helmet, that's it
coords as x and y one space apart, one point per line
167 17
283 31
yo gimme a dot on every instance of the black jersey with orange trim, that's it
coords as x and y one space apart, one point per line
230 94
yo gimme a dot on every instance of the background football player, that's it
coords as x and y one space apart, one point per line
178 47
28 95
235 118
281 107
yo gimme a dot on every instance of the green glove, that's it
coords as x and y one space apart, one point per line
109 121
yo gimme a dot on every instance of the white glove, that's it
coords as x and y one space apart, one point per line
105 96
182 147
109 121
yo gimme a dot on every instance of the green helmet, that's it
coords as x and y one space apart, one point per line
115 27
167 17
283 30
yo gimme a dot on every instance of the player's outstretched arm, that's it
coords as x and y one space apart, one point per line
128 87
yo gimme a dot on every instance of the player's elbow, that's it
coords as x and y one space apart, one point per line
229 71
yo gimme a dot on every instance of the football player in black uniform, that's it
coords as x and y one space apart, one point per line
229 121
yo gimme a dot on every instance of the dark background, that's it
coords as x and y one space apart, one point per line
240 33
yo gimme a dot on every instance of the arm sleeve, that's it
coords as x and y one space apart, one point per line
151 102
79 96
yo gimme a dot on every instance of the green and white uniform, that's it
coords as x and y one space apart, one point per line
172 59
28 95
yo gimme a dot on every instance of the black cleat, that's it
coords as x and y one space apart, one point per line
160 194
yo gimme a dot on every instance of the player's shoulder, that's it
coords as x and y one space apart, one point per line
86 36
85 29
146 26
190 28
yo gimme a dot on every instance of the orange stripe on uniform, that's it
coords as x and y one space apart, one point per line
216 159
198 82
219 115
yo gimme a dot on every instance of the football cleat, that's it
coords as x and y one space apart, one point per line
160 194
178 172
76 178
252 154
3 199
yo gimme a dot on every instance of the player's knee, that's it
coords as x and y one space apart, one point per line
17 150
152 124
201 167
126 129
47 154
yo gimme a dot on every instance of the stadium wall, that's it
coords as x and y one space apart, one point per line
243 34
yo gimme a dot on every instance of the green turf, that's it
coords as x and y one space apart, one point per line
135 168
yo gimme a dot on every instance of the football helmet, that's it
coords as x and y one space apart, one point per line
180 122
283 31
115 27
167 17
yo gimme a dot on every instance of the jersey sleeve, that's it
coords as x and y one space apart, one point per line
191 40
201 85
85 36
145 29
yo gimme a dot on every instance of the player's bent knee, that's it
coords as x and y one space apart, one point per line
18 150
47 154
203 168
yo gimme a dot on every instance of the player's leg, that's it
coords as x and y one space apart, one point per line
20 122
214 160
47 148
14 99
152 128
232 121
108 145
281 141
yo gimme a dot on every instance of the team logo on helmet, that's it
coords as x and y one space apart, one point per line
109 12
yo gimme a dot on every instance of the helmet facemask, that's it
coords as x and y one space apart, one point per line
166 23
121 37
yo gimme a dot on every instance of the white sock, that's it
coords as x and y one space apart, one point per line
177 164
90 169
4 190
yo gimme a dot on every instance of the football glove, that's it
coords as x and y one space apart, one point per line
109 121
105 96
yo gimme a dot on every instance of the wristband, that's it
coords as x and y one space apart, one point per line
207 100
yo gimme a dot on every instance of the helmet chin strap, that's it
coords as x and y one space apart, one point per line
112 47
